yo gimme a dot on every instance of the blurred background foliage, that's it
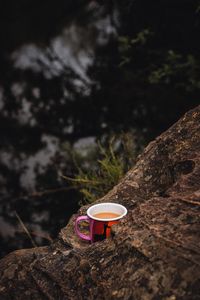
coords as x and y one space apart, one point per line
84 86
104 165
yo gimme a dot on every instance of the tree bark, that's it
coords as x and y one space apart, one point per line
153 253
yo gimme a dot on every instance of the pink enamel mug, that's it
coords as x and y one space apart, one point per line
100 218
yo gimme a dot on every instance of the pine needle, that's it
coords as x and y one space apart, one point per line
25 229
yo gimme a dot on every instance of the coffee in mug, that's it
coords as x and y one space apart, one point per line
100 217
106 215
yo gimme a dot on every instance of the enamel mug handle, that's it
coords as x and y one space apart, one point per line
82 235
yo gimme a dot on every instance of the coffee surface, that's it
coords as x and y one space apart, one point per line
106 215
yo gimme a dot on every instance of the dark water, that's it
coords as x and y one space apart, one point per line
44 87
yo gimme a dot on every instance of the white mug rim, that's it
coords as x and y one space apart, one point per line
110 219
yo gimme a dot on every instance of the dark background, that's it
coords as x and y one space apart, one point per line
72 73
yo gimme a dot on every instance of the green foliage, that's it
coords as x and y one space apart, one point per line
184 71
127 45
113 162
147 64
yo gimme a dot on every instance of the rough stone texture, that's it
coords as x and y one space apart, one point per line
154 253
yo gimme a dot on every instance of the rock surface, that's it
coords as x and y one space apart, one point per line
153 253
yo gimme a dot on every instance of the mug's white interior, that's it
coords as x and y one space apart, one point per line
107 207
